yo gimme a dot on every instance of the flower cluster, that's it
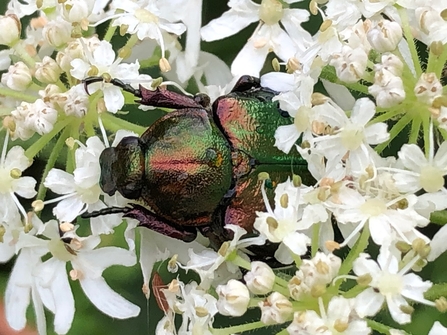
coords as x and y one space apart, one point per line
369 79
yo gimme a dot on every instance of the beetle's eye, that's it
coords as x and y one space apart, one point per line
131 191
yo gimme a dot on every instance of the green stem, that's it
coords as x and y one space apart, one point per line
239 328
281 289
7 92
328 73
37 146
315 239
113 123
239 261
353 292
110 32
359 246
427 137
410 41
379 327
24 55
397 128
414 133
133 39
52 161
281 282
386 116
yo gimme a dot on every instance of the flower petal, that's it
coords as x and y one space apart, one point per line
242 13
107 300
412 157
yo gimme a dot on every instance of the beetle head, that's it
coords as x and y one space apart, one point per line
122 168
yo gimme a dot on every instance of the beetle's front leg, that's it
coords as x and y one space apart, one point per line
150 220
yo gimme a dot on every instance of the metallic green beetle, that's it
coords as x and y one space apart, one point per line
197 167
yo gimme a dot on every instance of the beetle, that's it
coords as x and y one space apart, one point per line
197 167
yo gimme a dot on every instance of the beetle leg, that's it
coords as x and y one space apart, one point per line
152 221
246 83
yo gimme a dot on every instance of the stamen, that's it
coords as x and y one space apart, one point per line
20 207
103 132
5 148
354 232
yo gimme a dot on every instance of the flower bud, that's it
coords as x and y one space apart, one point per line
385 36
76 11
260 278
47 71
428 88
42 118
350 64
391 63
18 77
388 89
11 28
233 298
275 309
57 32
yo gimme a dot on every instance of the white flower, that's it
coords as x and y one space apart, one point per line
88 263
298 103
268 35
10 27
75 101
18 77
22 285
197 309
186 61
57 32
207 263
351 136
47 71
384 218
428 88
147 20
81 191
260 279
234 298
275 309
339 318
389 284
33 117
385 36
421 173
12 164
102 61
284 223
320 270
350 64
388 89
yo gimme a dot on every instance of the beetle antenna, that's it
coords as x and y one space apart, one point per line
126 87
114 81
105 211
90 80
